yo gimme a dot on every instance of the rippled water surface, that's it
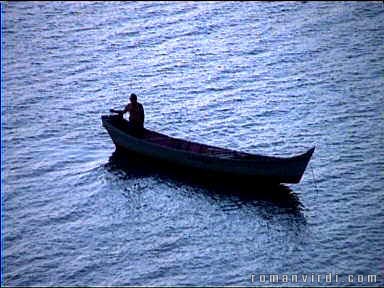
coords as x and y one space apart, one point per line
266 78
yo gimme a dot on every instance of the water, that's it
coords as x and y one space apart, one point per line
266 78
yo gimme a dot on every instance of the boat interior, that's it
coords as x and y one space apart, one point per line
180 144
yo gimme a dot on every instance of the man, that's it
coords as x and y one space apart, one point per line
136 114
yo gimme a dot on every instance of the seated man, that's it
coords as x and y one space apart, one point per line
136 114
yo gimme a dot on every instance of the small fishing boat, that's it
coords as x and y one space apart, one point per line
205 159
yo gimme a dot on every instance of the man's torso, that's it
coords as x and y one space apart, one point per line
136 114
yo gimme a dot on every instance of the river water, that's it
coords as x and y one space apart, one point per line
267 78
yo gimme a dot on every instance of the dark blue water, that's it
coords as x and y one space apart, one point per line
266 78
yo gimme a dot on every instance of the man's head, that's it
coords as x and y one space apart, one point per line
133 98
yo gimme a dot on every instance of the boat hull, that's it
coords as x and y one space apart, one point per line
256 167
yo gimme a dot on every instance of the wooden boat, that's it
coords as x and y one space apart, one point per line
205 159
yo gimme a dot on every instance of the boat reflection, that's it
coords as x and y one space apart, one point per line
246 191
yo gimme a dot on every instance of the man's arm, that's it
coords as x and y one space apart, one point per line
125 110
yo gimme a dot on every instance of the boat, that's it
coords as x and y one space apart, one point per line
204 159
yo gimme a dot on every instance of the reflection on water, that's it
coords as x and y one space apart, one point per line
245 193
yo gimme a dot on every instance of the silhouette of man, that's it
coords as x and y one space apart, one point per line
136 114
